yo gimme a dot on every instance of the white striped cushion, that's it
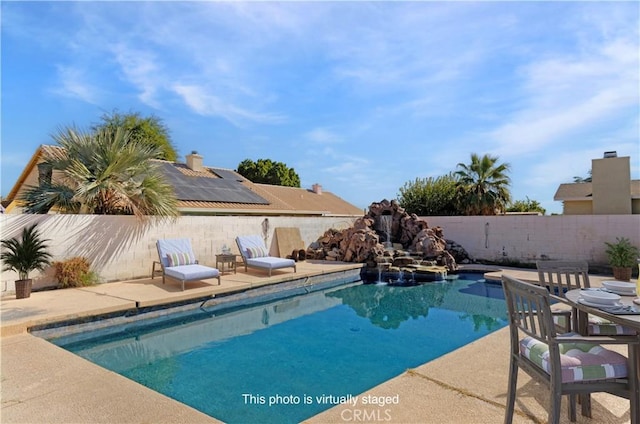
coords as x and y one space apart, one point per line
180 258
256 252
604 327
597 326
579 361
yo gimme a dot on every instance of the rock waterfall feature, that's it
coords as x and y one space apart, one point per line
394 245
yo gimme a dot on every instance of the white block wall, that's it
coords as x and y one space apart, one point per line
527 238
121 248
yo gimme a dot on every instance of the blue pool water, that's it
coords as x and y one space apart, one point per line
291 352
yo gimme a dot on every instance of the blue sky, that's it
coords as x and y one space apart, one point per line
361 97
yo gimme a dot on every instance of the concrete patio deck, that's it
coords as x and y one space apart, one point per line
42 383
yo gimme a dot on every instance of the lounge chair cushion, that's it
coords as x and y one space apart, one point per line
179 261
579 361
180 258
191 272
270 262
254 245
167 247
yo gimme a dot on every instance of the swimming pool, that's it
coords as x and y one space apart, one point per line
289 359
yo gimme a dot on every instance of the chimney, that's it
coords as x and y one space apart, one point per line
316 188
194 161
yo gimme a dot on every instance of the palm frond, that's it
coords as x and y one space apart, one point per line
105 172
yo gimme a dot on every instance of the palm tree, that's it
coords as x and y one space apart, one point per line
483 188
584 179
26 253
102 173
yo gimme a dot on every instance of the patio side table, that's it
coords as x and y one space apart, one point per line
226 258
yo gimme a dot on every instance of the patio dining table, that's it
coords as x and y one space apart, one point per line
629 318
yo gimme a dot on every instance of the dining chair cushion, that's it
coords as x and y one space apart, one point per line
562 321
603 327
579 361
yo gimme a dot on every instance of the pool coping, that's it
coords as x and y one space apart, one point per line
51 306
44 383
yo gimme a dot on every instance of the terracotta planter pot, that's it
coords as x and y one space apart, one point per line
622 273
23 288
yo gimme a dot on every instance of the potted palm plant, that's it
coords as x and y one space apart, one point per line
622 257
25 254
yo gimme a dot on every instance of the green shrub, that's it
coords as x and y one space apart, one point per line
74 272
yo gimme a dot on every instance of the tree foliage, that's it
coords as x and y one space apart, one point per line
483 186
105 172
266 171
430 196
150 131
478 188
584 179
526 206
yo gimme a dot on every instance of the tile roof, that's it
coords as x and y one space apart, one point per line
303 199
224 191
269 199
575 191
281 201
583 191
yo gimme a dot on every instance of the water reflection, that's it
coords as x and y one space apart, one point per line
479 321
388 307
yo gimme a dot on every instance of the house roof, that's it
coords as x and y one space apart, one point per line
35 159
584 191
209 184
273 199
213 190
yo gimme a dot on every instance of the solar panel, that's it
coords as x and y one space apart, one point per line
226 189
228 175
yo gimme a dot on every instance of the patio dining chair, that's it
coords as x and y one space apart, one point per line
561 276
568 364
178 261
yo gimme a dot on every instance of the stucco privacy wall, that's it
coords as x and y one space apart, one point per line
121 248
527 238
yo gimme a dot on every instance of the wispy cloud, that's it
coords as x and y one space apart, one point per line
140 68
323 136
73 83
571 94
204 103
363 95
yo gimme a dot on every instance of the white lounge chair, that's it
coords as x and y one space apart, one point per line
256 255
179 262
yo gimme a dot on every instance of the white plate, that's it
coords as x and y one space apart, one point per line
618 286
623 292
599 305
599 296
